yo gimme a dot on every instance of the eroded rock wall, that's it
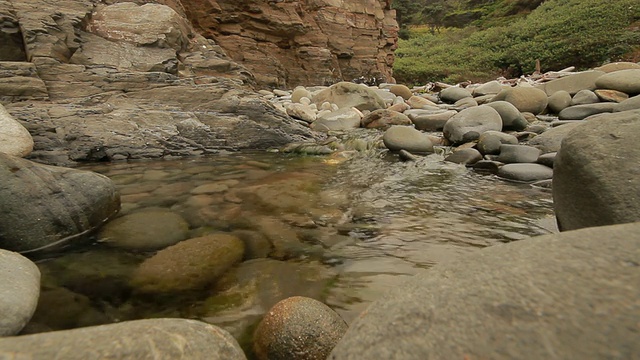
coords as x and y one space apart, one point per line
106 80
286 43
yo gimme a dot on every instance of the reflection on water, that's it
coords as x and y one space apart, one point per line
342 231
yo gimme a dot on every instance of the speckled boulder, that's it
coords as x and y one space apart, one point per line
298 328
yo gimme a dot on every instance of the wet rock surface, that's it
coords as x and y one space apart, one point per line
44 207
166 338
463 308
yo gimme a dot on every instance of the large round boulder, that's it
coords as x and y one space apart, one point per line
407 138
346 94
561 296
511 118
298 328
45 206
596 177
14 138
139 339
188 265
19 291
627 81
525 99
469 124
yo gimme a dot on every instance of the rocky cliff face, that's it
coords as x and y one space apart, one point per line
294 42
102 80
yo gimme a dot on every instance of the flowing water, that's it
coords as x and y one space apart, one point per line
340 229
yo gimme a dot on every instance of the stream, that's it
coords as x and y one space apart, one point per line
341 229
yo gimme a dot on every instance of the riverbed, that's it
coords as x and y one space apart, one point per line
342 228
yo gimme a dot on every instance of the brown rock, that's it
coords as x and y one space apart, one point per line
383 119
298 328
188 265
300 43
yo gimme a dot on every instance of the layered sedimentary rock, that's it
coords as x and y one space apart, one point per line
103 80
290 42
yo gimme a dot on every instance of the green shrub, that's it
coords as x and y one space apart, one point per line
559 33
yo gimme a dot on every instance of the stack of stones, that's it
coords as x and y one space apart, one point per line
514 132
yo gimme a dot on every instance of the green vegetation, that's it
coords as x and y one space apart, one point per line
501 38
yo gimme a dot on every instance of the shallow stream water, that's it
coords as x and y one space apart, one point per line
341 230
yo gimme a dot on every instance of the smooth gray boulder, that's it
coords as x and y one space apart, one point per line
19 291
407 138
465 157
139 339
489 88
572 83
469 124
45 206
525 172
429 120
596 178
627 81
453 94
490 142
560 296
584 97
518 154
579 112
631 103
511 118
559 101
550 140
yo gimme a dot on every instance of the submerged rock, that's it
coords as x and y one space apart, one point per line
188 265
145 230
